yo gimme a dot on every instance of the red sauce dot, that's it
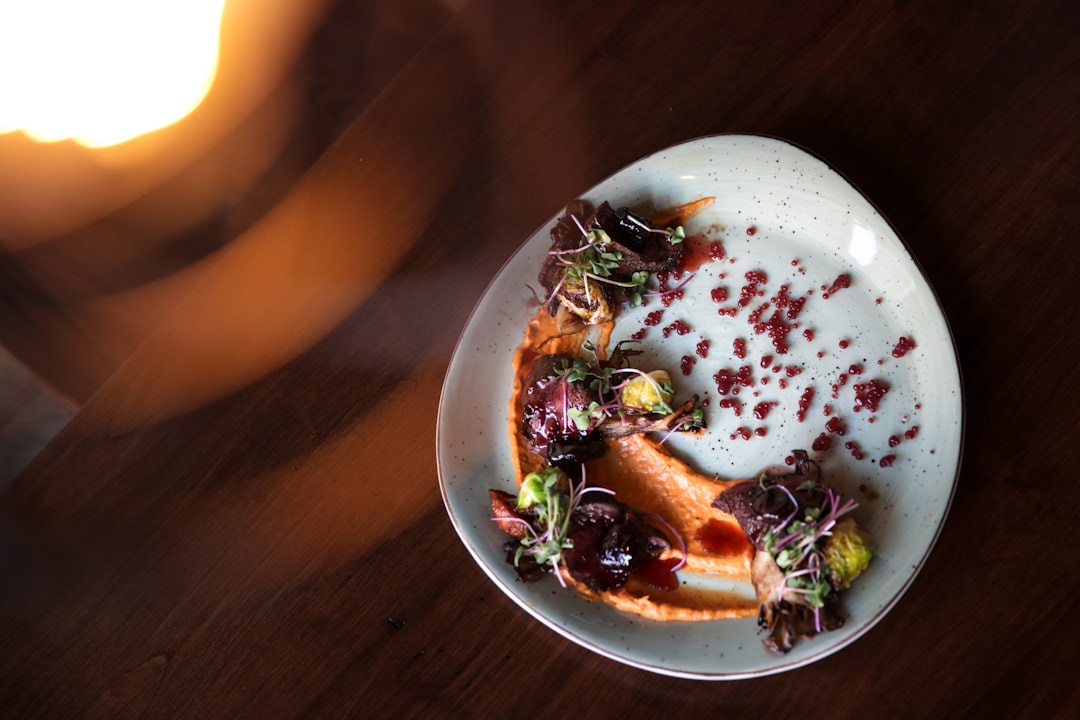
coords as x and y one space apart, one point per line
912 432
841 282
804 403
702 348
903 347
739 348
894 440
659 573
844 344
729 382
733 404
869 394
654 317
762 409
836 426
719 294
687 364
751 230
723 538
821 443
853 448
887 461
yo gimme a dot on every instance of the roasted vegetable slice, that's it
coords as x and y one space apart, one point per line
807 549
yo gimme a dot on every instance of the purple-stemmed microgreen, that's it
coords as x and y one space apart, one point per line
797 546
593 261
671 533
674 235
551 496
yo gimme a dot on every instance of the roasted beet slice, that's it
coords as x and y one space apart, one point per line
761 506
547 401
609 541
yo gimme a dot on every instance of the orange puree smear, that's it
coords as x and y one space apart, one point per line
646 476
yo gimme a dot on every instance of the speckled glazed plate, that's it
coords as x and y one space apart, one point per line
784 213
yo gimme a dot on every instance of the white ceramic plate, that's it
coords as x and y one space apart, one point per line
809 227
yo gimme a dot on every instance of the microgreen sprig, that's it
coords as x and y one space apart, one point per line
552 496
797 546
593 261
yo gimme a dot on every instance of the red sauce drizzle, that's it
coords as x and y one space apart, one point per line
699 250
723 538
841 282
660 573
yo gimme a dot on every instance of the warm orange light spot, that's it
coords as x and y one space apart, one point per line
106 71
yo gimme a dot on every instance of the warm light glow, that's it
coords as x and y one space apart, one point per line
105 71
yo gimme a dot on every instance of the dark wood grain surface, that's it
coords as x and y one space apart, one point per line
244 519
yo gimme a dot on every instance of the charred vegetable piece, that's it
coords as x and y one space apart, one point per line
808 549
558 522
570 404
601 259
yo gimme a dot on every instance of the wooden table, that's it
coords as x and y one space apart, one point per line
245 520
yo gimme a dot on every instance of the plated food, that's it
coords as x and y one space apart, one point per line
577 410
791 335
